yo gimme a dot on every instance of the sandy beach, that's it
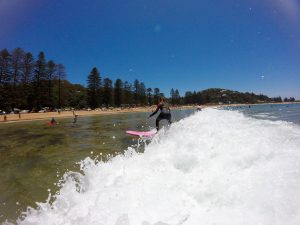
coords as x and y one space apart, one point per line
65 114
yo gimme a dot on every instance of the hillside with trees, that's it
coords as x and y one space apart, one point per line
224 96
33 83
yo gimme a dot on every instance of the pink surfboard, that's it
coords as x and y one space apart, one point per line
141 133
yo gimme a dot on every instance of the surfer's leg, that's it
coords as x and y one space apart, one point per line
169 119
157 122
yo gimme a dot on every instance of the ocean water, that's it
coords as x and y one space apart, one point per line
275 112
215 167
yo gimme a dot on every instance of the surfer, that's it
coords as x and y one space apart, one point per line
165 112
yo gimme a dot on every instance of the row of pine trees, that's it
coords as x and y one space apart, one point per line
29 83
105 93
33 83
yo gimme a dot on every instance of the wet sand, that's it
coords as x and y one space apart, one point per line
65 114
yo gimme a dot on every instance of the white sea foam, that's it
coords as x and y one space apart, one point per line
215 167
264 115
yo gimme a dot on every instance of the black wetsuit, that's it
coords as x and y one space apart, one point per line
165 113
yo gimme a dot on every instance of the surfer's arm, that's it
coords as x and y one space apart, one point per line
152 114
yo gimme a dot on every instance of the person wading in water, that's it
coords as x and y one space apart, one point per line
165 112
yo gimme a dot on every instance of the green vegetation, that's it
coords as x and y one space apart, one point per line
33 84
217 96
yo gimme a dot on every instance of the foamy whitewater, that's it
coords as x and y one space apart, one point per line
214 167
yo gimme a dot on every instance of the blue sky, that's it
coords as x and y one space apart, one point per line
248 45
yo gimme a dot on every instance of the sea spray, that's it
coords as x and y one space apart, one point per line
214 167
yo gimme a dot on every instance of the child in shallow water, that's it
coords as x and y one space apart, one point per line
53 121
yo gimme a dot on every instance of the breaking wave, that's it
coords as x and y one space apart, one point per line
214 167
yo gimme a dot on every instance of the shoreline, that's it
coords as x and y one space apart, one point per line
23 117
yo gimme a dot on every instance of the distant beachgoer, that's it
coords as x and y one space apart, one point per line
5 118
165 112
75 118
53 121
19 115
